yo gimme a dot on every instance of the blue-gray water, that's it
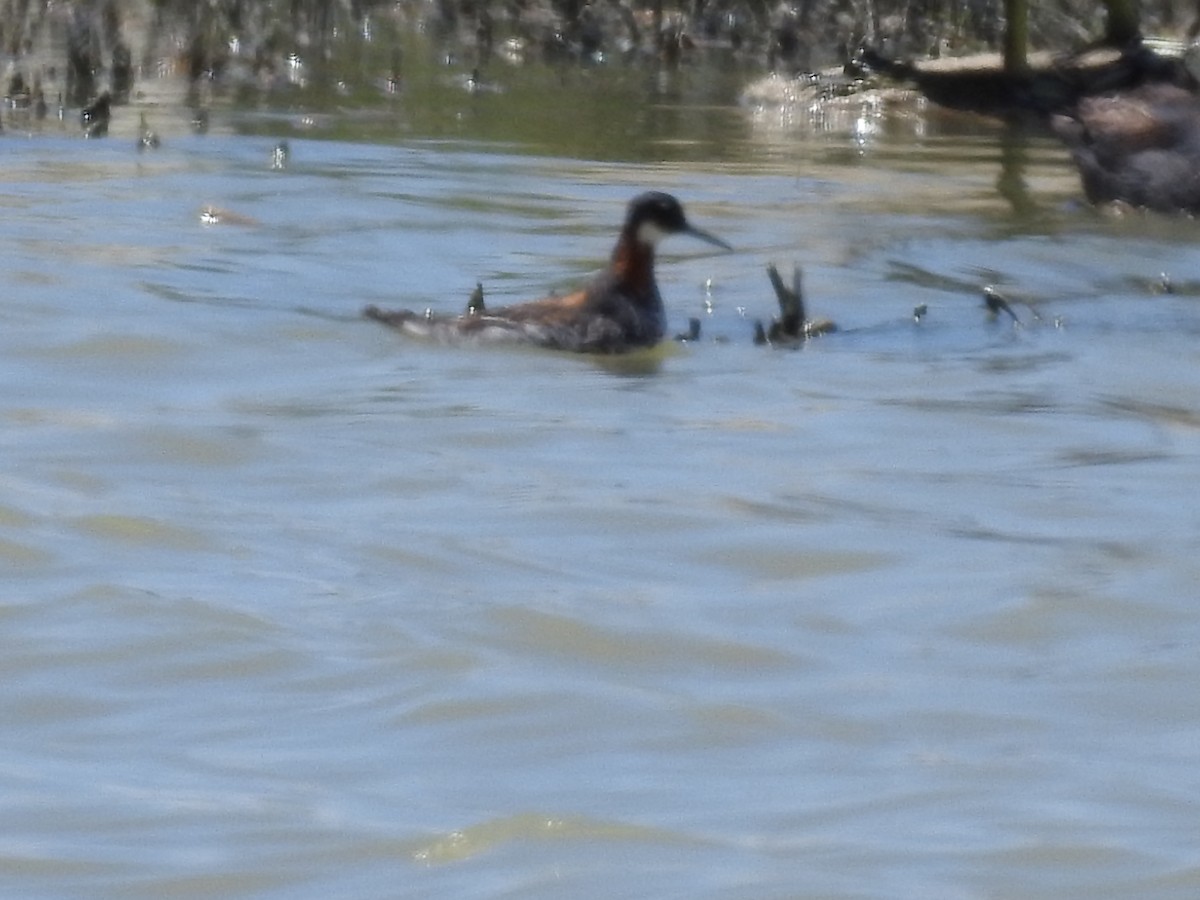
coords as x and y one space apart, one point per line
295 608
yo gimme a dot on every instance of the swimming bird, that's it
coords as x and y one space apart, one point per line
1140 147
619 310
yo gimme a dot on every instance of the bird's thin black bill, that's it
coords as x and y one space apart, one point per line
709 238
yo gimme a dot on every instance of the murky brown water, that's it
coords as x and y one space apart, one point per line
295 608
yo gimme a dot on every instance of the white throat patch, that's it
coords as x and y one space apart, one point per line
650 234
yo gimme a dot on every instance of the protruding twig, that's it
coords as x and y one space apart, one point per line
791 302
692 334
996 303
793 325
147 138
475 305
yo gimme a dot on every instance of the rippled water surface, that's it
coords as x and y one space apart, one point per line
296 608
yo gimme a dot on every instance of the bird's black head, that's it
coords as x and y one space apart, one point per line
654 215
